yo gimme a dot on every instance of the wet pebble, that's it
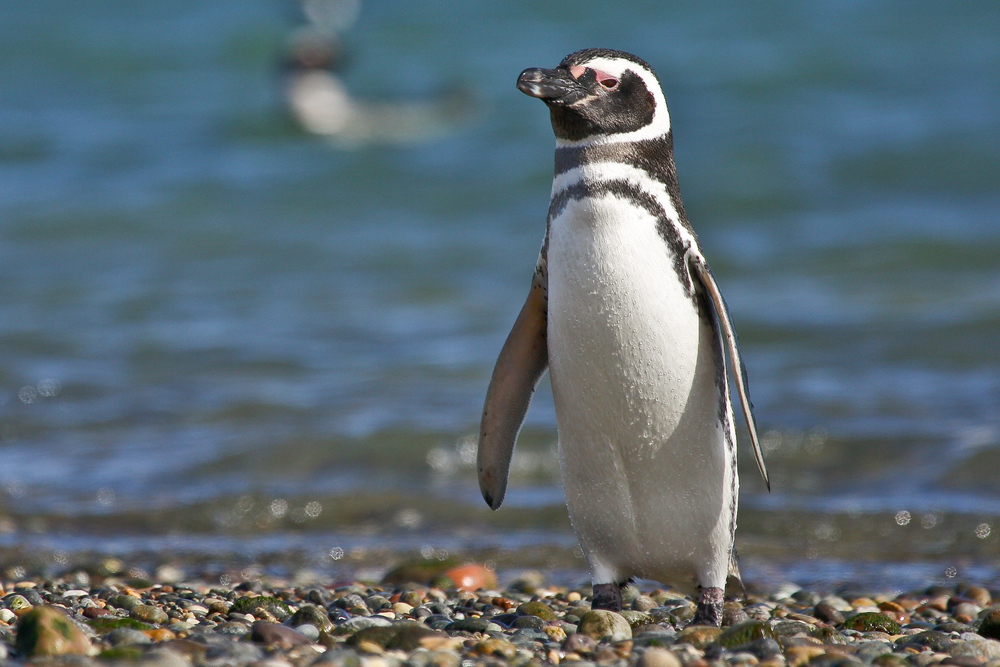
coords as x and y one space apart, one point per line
267 624
127 637
280 636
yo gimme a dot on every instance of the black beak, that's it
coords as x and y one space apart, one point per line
552 86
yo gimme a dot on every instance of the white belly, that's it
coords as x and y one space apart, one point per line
647 474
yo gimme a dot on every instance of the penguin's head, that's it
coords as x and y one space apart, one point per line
599 95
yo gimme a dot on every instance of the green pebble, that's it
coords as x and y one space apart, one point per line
48 631
637 619
107 624
990 625
932 639
123 653
419 570
273 606
890 660
126 602
148 613
409 636
380 635
313 615
699 636
468 625
871 621
537 608
745 633
16 602
412 598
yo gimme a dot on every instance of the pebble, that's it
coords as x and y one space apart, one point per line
126 637
658 657
148 613
530 624
46 631
602 624
280 636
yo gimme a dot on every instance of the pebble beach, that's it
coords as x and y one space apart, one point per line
420 615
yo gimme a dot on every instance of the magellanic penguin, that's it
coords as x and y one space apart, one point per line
626 315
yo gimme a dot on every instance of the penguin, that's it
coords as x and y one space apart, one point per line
625 314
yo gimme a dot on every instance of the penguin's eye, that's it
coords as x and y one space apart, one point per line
606 80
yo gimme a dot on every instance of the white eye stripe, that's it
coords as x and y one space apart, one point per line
660 124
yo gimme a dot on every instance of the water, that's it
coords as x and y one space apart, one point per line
210 319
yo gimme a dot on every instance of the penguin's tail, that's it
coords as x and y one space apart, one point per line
735 590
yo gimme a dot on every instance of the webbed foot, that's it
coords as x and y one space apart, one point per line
607 596
709 611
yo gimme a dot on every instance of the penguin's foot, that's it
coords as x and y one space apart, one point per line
709 611
609 596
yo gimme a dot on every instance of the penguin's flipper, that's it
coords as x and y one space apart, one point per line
523 359
704 275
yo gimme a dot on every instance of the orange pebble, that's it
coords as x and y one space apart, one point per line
472 577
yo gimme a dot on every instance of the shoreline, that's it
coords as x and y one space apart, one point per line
324 558
412 613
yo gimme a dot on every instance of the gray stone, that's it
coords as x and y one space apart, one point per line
807 598
604 625
868 651
31 595
127 637
527 636
126 602
989 647
339 658
932 639
233 628
658 657
376 603
528 622
579 643
362 622
163 658
229 653
470 625
967 649
644 603
274 634
828 613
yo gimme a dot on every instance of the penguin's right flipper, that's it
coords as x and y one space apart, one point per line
704 275
523 359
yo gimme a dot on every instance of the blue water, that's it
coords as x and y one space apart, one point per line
199 300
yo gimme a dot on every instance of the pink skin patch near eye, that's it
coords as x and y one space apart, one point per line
603 78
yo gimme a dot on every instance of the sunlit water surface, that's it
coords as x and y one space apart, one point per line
218 332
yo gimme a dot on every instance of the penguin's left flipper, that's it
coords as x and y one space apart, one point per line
523 359
703 274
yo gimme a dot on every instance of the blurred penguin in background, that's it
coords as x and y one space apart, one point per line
320 102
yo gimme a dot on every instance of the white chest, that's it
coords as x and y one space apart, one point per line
622 326
636 381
